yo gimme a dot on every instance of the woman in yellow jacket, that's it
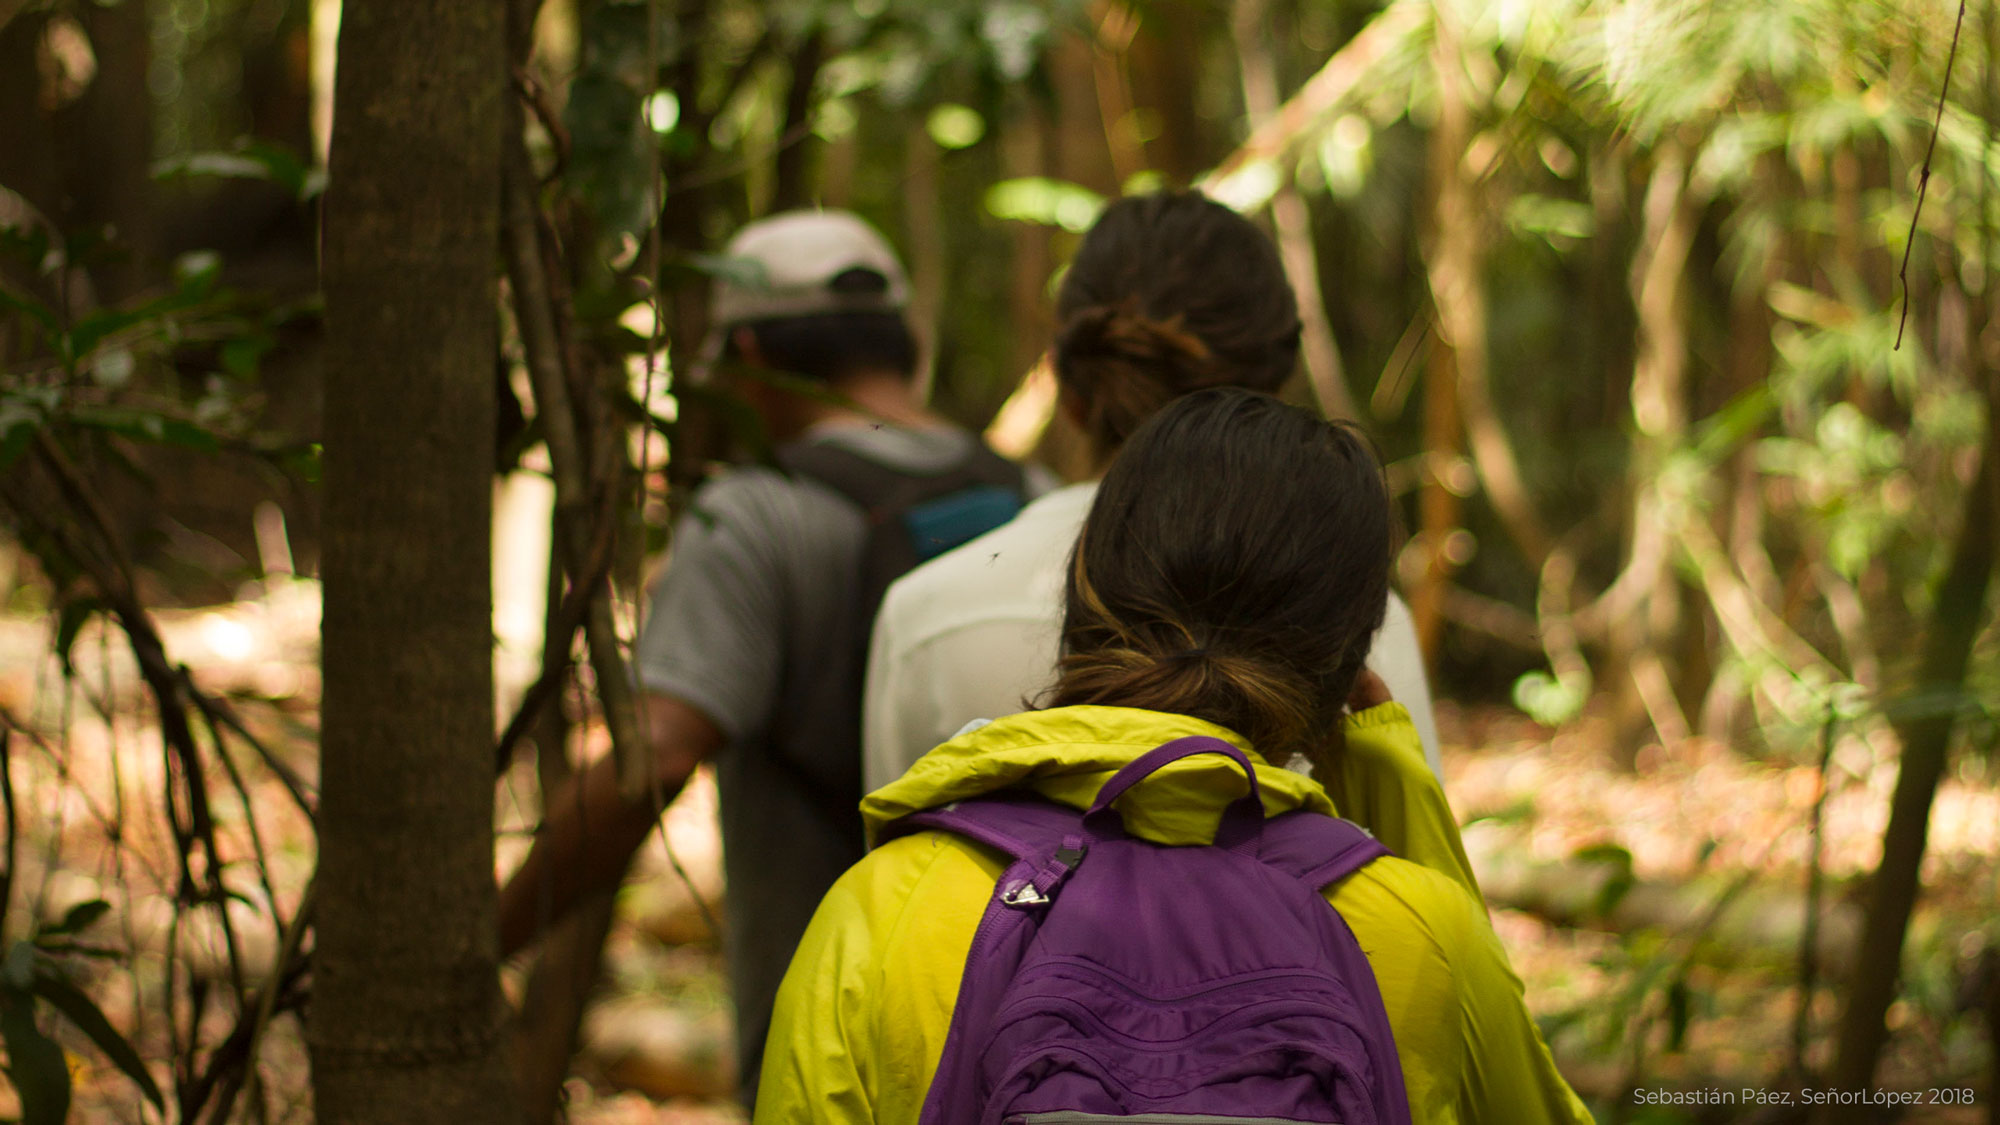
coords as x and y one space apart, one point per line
1227 582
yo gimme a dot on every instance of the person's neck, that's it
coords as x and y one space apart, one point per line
874 397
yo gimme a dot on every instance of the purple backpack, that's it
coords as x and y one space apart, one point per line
1116 980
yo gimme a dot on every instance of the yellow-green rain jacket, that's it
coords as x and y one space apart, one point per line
862 1015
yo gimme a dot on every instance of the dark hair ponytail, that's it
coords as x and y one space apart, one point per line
1235 567
1168 294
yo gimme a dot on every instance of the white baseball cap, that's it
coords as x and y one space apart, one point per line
801 263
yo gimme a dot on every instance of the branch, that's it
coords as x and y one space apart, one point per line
1490 616
526 273
13 825
1924 177
1323 93
568 618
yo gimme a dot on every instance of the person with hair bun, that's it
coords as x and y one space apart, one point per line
1168 294
1230 575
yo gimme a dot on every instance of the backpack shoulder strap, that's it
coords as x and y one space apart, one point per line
867 483
1044 840
1319 850
1022 827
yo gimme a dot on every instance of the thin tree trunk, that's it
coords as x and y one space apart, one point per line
924 248
406 1014
108 146
28 164
1458 304
1117 23
1659 410
1456 260
1168 48
1290 217
792 185
1957 615
1955 622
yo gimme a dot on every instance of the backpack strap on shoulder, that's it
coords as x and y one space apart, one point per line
1045 840
1016 824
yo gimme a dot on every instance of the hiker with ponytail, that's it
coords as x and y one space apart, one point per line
1116 906
1168 294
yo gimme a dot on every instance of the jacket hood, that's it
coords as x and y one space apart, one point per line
1067 754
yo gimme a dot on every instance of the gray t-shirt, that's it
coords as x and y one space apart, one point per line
756 608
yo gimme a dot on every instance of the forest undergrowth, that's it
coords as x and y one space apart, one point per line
1655 914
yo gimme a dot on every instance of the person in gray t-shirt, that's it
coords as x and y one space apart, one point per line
755 615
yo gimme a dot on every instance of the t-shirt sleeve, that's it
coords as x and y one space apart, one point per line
714 635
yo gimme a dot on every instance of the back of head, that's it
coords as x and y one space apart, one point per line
821 291
1168 294
1235 567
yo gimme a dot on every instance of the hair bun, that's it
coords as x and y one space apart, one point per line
1123 333
1128 365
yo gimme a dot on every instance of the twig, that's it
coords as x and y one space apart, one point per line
569 617
108 823
550 118
1809 933
569 460
218 710
7 803
283 972
249 811
1924 177
102 556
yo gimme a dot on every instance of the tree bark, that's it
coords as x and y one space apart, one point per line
407 1010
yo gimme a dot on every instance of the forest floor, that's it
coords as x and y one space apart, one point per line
1653 908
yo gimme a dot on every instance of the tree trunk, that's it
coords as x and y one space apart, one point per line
407 1009
1956 618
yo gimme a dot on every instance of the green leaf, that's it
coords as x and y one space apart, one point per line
89 1019
954 126
1548 700
252 160
748 273
1037 199
35 1062
1679 1000
80 917
34 310
1618 883
21 418
92 330
147 425
240 357
1561 222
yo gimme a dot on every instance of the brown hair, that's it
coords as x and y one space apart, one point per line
1235 567
1168 294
